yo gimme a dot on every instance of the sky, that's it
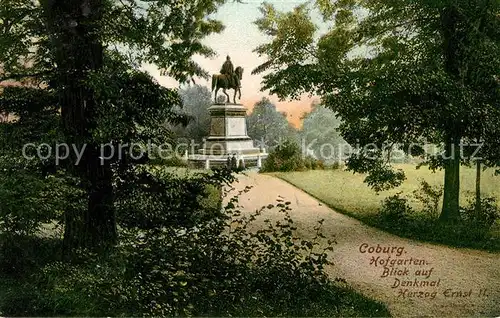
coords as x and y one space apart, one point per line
238 41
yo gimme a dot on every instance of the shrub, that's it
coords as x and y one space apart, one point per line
29 202
334 165
395 211
218 268
313 163
473 230
23 198
152 198
288 157
23 254
485 217
320 164
285 157
173 160
430 197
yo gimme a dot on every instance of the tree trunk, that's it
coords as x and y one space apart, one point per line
75 26
451 199
452 38
478 187
100 223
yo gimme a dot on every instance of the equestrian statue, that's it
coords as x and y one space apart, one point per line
229 78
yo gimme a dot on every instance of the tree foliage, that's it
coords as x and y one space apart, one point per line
267 126
398 73
80 62
320 134
196 101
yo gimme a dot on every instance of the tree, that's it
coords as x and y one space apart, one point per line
399 74
82 58
267 126
196 100
320 131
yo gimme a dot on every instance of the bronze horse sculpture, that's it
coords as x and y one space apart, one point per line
224 81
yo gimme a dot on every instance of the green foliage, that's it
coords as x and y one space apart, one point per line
218 268
31 203
153 197
23 196
484 217
311 163
285 157
30 197
395 211
21 255
289 157
78 63
132 106
136 27
430 197
268 127
385 178
176 161
395 73
320 133
196 100
334 166
397 216
293 35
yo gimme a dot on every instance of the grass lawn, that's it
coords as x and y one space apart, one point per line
347 193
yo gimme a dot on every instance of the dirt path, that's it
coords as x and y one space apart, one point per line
459 274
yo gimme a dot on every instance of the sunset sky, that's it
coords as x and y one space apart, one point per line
238 40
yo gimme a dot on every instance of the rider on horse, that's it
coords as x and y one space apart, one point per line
228 70
230 78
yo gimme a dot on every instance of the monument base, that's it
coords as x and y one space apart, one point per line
200 161
228 138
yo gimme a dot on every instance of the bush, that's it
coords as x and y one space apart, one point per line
23 254
29 203
430 197
173 160
485 217
334 165
200 271
395 211
152 198
24 194
473 230
288 157
285 157
218 268
313 163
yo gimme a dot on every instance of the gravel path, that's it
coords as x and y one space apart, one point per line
450 282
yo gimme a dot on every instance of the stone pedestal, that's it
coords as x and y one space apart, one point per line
228 137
